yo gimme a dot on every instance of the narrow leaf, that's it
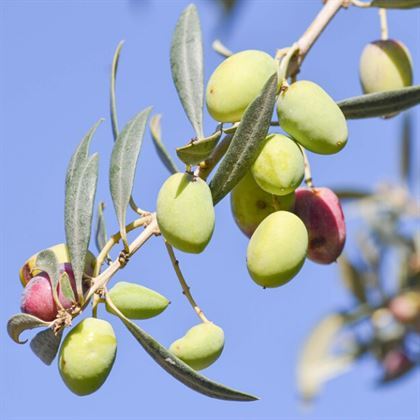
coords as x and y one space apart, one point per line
100 235
198 150
123 165
352 279
65 287
80 195
395 4
19 323
46 261
352 194
406 147
113 102
246 141
380 104
161 150
317 364
46 344
177 368
187 66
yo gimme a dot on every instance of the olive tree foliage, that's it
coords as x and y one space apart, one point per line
214 162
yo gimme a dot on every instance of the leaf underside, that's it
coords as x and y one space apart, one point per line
246 141
19 323
45 345
187 66
380 104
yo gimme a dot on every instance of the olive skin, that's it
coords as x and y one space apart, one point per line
185 212
87 355
277 249
201 346
236 82
312 118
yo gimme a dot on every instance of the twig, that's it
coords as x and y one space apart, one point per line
359 3
384 24
313 32
184 285
221 49
308 174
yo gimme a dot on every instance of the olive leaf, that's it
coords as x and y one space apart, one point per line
46 344
161 150
187 66
317 364
246 141
395 4
352 278
351 194
100 234
65 287
380 104
406 147
198 150
122 170
19 323
113 102
81 181
46 261
176 367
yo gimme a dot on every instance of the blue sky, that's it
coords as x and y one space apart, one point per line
56 58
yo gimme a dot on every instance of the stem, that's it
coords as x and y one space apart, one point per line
208 165
309 37
221 49
102 280
360 3
114 240
184 285
384 24
284 64
308 174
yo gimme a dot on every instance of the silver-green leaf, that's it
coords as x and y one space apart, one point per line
46 344
19 323
380 104
406 148
65 287
177 368
100 233
352 278
395 4
161 150
113 101
198 150
47 261
246 141
81 181
123 165
187 66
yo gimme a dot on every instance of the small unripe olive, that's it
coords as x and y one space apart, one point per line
312 118
236 82
185 212
385 65
135 301
251 205
277 249
200 346
279 167
87 355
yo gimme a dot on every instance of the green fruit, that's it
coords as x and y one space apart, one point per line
277 249
87 355
312 118
201 345
279 167
385 65
236 82
185 212
251 205
135 301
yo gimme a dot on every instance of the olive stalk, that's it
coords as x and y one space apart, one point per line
307 168
384 24
184 285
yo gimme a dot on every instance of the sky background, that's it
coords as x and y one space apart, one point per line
54 78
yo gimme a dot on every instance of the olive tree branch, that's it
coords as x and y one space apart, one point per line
309 37
100 281
184 285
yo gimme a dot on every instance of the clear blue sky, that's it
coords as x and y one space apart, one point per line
54 73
